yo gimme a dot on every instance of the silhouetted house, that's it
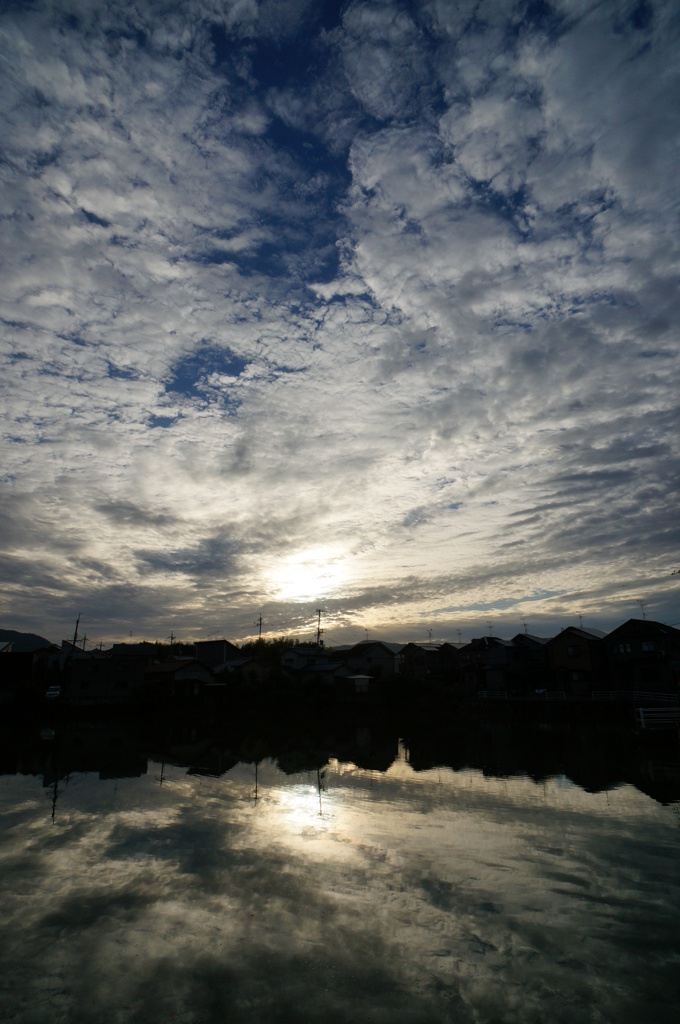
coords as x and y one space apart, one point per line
97 679
577 661
359 686
487 664
529 662
325 672
377 659
448 663
27 673
644 655
297 659
178 679
143 652
115 677
417 661
215 654
244 667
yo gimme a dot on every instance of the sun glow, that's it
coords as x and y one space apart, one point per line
310 574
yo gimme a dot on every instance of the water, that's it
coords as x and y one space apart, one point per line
341 894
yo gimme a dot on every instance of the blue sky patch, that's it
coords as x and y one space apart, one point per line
191 370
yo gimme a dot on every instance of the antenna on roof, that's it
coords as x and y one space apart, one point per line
429 636
490 628
642 608
580 620
458 632
525 625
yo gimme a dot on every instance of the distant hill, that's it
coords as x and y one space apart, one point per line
22 641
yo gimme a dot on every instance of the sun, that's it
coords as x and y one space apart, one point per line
310 574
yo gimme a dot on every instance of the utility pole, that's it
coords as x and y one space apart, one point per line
172 639
258 622
75 632
319 631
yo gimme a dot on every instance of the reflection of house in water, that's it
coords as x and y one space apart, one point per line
112 752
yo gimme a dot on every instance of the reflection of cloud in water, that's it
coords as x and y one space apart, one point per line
410 897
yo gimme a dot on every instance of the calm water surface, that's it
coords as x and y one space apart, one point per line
341 895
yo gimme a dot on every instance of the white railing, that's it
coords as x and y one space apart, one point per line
657 718
634 695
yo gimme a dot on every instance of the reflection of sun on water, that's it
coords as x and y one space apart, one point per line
302 806
310 574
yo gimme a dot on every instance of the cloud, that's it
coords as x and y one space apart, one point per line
248 301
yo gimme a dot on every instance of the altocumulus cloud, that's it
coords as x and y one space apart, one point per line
374 305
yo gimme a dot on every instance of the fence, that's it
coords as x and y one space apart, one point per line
657 718
634 696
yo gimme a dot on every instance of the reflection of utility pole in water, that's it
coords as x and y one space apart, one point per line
319 782
256 766
54 763
55 794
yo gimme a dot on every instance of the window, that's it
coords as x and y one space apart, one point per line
573 651
622 649
648 645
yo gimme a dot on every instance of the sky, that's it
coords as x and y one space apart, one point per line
368 307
